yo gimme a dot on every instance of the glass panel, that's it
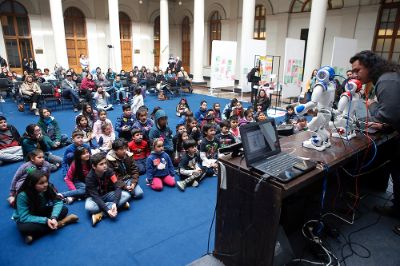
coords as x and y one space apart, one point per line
385 15
8 27
14 60
382 29
297 7
19 9
25 48
393 13
379 44
263 11
80 28
385 55
389 29
396 47
396 57
23 26
6 7
386 45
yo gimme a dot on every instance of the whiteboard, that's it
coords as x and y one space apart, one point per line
293 68
343 49
252 48
223 63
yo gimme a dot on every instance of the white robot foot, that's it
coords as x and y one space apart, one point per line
309 144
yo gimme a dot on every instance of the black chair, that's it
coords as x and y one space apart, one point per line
6 86
48 94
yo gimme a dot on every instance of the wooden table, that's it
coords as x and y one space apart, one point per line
247 217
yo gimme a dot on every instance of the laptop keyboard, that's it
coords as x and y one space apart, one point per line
276 165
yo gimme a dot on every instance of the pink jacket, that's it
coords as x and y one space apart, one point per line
70 177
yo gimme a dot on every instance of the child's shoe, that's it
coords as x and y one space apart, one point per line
96 218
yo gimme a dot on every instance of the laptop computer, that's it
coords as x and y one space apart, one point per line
263 153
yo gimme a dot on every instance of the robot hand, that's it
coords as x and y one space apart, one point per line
300 109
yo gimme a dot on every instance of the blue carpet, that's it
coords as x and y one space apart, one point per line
164 228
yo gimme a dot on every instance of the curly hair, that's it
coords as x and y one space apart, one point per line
375 64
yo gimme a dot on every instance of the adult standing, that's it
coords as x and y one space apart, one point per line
3 62
32 65
178 64
84 61
385 76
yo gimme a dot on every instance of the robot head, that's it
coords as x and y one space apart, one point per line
353 86
325 74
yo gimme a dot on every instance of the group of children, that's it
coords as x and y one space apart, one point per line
102 162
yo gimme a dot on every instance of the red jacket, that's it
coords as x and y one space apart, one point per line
140 150
88 84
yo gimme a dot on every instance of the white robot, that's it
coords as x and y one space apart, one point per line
322 98
343 126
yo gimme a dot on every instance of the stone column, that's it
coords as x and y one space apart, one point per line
164 34
315 37
57 22
115 61
198 32
248 11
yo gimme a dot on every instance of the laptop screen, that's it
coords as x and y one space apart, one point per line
259 140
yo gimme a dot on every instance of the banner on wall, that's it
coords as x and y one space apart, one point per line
293 67
343 50
223 63
253 48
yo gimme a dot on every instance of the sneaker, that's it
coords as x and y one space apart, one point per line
195 183
36 112
60 196
96 218
68 200
181 185
126 206
28 240
75 110
389 211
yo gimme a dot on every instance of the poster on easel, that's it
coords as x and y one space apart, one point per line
223 64
343 49
266 65
254 49
293 68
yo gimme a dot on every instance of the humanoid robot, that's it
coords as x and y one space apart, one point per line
343 126
322 98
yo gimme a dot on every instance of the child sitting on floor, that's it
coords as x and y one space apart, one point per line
50 128
125 123
209 150
124 167
75 178
143 122
190 171
182 107
140 149
106 137
36 162
102 99
97 125
159 168
38 210
104 194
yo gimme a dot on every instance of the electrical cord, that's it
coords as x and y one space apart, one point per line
351 244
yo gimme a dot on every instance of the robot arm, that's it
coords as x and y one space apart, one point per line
315 98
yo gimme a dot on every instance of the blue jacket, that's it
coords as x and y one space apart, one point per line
69 156
28 144
166 133
156 161
200 115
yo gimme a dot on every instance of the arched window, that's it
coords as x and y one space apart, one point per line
299 6
259 23
215 29
75 36
186 44
387 32
157 41
17 33
125 31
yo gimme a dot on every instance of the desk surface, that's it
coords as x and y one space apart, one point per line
339 153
